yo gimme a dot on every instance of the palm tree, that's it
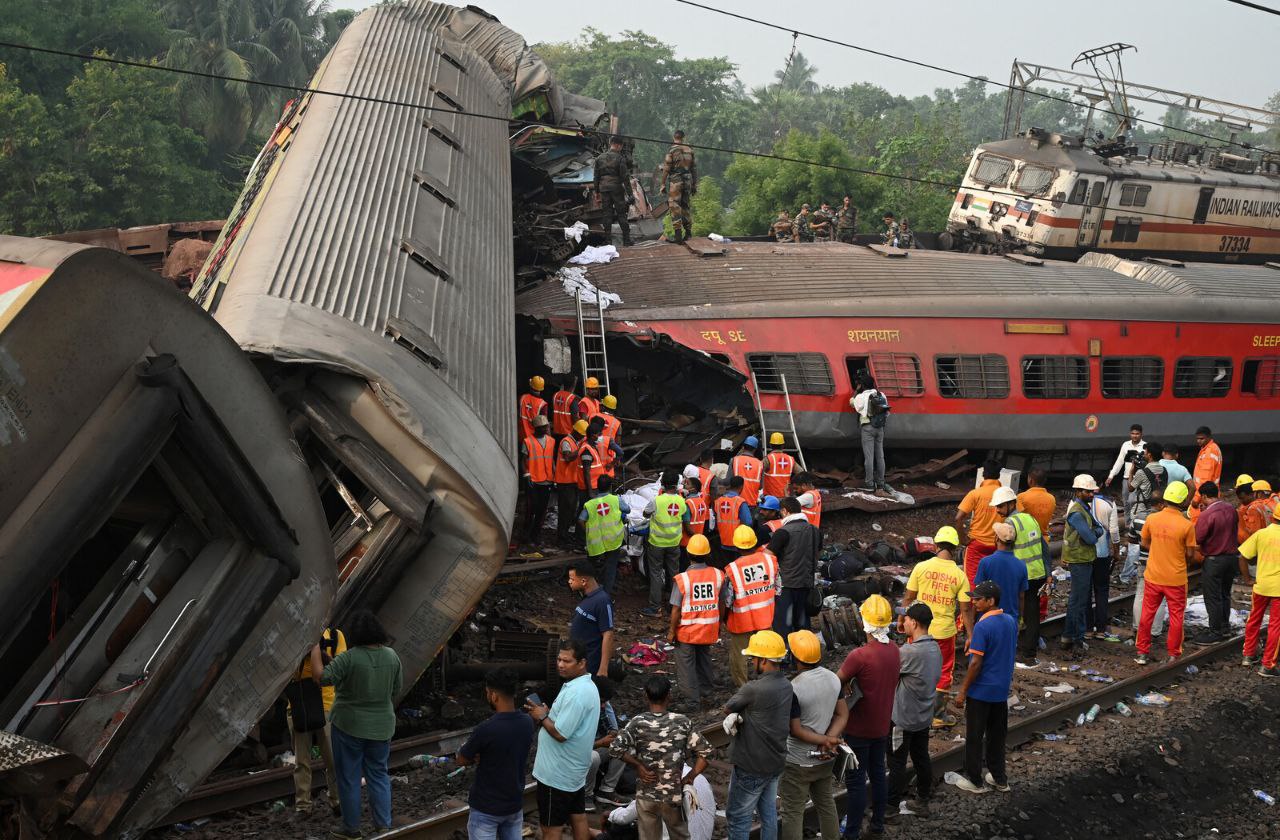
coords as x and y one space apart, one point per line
294 31
798 75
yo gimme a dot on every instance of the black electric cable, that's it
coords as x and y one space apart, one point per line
1255 6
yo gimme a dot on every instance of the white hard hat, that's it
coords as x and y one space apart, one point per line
690 471
1002 496
1084 481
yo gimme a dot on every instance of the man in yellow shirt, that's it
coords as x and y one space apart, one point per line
1264 546
1170 539
940 583
977 504
313 732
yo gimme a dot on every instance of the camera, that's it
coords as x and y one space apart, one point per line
1135 457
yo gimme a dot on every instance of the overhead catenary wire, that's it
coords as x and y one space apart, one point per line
304 89
960 73
1256 6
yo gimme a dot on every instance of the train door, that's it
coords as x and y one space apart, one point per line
1091 213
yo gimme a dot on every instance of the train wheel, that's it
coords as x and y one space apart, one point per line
946 241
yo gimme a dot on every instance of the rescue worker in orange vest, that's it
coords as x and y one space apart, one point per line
569 498
563 407
1250 520
702 468
699 516
589 404
768 518
532 405
610 446
538 454
749 468
778 467
750 584
809 497
731 510
695 622
1208 467
1263 507
589 458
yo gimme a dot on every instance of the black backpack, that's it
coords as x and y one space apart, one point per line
1158 482
877 409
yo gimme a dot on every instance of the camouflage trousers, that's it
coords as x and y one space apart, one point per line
844 235
614 205
678 194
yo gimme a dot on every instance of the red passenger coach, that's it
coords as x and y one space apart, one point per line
1011 353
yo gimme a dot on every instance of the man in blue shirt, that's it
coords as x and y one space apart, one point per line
566 732
1173 470
985 693
1006 570
592 622
500 748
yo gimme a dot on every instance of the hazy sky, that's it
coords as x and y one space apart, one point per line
1210 47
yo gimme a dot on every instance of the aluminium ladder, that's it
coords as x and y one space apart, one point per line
592 350
789 419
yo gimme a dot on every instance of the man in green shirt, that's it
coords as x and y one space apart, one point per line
666 514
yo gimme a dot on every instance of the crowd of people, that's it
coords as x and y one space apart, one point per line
836 225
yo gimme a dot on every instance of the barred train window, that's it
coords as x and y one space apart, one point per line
992 169
897 374
1202 376
1132 377
972 377
1034 180
1134 195
805 373
1261 377
1055 377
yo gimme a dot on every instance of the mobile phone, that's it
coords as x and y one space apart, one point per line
534 700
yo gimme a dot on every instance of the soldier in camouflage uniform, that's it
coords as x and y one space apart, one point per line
612 183
656 744
680 180
804 233
891 232
846 221
823 224
782 229
906 239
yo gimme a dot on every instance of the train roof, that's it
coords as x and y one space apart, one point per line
662 281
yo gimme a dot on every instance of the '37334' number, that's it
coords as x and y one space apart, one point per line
1234 244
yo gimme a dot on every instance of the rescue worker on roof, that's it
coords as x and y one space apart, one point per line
538 454
891 231
589 403
750 468
680 181
613 185
695 623
568 478
782 228
823 225
611 447
563 407
778 466
846 221
751 583
532 405
731 510
803 231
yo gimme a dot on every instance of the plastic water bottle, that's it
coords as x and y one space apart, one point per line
427 760
1093 713
1265 797
1124 709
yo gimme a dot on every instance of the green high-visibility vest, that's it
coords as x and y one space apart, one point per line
1028 544
1074 549
665 524
605 530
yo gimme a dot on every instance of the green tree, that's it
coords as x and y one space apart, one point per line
707 207
29 140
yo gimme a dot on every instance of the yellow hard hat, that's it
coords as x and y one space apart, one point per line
580 427
876 611
744 537
946 534
805 646
1244 480
776 439
698 546
537 383
1177 492
1262 485
609 401
766 644
591 382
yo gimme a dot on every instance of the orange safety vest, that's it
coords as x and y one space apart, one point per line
778 467
612 426
728 517
530 407
699 605
697 517
562 413
706 476
749 468
753 579
606 452
814 514
588 407
568 467
1266 507
773 525
542 454
597 465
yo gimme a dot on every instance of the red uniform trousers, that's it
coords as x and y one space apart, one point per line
948 648
973 555
1152 595
1253 629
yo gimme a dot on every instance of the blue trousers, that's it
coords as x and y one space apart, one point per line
488 827
1078 602
791 611
870 753
355 757
747 794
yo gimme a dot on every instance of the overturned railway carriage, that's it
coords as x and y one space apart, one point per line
1011 353
1049 195
159 570
368 268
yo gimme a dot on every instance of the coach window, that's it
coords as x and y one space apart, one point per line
972 377
897 374
1261 377
1202 376
1034 180
1132 377
1055 377
1095 193
1134 195
1079 192
1126 229
992 170
802 373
